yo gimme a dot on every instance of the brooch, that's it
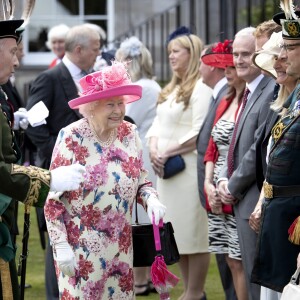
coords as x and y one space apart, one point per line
277 130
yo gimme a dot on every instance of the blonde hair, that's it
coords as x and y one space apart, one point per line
266 28
186 84
283 94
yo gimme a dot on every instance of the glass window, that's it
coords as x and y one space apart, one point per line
47 14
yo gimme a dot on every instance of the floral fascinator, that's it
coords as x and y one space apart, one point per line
219 56
131 47
110 82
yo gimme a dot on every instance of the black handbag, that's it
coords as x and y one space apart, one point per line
173 166
144 246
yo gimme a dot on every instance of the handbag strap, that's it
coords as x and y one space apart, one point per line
156 233
136 207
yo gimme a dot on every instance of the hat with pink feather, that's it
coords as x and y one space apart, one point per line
111 81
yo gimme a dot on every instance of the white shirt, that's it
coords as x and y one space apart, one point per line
74 71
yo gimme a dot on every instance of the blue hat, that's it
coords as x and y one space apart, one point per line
178 32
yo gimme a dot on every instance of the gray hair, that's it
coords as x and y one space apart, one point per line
80 35
248 31
139 57
59 31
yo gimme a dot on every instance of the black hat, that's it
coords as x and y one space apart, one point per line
289 19
8 28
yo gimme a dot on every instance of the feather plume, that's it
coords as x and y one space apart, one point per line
27 11
12 9
6 9
289 9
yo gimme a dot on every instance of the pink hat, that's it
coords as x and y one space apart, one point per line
110 82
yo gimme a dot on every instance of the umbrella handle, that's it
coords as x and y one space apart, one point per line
156 233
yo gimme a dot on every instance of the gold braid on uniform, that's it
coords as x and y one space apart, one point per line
36 175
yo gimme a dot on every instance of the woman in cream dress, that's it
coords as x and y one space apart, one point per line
182 107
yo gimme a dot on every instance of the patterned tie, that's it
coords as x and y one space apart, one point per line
230 159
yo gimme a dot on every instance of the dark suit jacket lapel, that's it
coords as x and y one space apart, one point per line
69 86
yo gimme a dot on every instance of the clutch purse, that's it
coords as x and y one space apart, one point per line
173 166
144 251
292 290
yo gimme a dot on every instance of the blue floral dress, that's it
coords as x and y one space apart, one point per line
96 219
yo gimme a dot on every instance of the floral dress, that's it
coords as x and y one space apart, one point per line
96 219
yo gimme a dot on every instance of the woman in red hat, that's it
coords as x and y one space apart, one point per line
223 236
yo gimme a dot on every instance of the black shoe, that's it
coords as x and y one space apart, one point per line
143 290
27 286
204 296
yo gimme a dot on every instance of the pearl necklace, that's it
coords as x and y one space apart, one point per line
110 139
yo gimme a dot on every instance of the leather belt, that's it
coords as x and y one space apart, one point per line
273 191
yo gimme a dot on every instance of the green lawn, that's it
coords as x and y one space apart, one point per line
36 266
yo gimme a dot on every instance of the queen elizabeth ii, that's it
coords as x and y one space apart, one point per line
90 228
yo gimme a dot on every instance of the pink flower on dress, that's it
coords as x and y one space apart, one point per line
123 131
54 209
67 296
85 267
58 161
126 282
95 176
132 167
125 238
73 233
90 216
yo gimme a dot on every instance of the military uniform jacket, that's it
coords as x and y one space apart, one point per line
29 185
276 256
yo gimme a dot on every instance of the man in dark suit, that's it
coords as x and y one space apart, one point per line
55 87
214 78
239 188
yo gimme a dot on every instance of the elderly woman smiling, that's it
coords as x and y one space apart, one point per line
90 229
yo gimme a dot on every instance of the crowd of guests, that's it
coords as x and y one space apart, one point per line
230 110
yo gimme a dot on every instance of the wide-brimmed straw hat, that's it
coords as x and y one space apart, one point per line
219 56
111 81
264 59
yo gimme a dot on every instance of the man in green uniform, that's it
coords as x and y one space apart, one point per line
279 242
29 185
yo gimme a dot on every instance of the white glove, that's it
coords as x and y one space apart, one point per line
65 258
155 208
20 119
66 178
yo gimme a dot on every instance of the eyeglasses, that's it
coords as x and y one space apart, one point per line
288 47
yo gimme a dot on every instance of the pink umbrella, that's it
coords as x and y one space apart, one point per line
163 280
